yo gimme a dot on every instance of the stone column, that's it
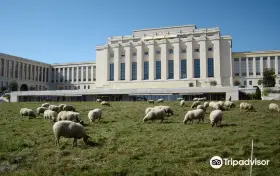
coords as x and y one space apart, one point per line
261 65
190 62
140 62
117 63
127 63
254 67
217 59
164 61
176 58
240 71
203 59
277 64
247 67
86 73
151 61
92 71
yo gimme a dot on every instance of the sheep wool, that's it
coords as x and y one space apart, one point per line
273 107
68 115
206 104
94 114
69 108
154 115
105 103
201 107
40 110
49 114
46 105
148 110
61 106
216 117
195 104
54 108
151 101
160 100
27 112
182 102
194 114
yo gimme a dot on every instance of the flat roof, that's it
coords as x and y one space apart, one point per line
169 27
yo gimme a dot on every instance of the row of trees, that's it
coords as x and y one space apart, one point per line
13 86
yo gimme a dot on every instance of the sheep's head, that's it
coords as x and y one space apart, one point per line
86 138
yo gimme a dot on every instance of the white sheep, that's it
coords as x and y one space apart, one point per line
105 103
148 110
195 104
229 104
195 99
27 112
216 117
221 103
194 114
69 129
167 109
180 98
49 114
61 106
69 115
201 107
69 108
273 107
151 101
182 102
94 114
206 104
211 104
155 114
46 105
40 110
98 100
246 106
54 108
160 100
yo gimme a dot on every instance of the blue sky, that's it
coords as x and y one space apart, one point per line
57 31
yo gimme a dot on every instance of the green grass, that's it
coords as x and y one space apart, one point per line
124 145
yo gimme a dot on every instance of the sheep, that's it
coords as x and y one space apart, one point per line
155 114
201 107
46 105
216 117
220 103
61 106
160 100
195 104
211 104
206 104
151 101
180 99
194 114
98 100
195 99
148 110
105 103
94 114
69 129
69 115
247 107
182 102
273 107
229 104
40 110
69 108
49 114
167 110
27 112
54 108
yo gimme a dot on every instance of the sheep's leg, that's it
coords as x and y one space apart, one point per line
75 142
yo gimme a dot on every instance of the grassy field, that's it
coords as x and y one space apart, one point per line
124 145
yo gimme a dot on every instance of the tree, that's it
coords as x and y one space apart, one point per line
260 82
190 84
13 86
269 77
213 83
31 88
236 83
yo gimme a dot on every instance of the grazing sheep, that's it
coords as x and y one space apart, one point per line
27 112
46 105
105 103
148 110
69 115
229 104
160 100
273 107
216 117
40 110
246 106
180 99
69 129
211 104
54 108
154 115
49 114
94 114
206 104
182 102
201 107
151 101
195 104
167 109
61 106
98 100
195 99
69 108
220 103
194 114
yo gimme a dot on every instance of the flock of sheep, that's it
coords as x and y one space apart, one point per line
68 124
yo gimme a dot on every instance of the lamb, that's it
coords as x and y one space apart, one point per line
148 110
201 107
155 114
160 100
105 103
69 129
49 114
195 104
61 106
54 108
69 115
151 101
182 102
180 99
27 112
206 104
94 114
273 107
98 100
216 117
194 114
69 108
46 105
40 110
247 107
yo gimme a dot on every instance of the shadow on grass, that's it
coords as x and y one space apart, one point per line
94 144
227 125
170 122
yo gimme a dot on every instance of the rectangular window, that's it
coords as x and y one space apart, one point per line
52 75
29 72
80 74
158 69
196 50
146 70
210 67
111 72
85 73
170 51
134 70
85 87
16 70
170 69
75 74
88 86
278 65
89 73
47 76
158 52
243 66
197 68
44 74
250 83
264 63
245 83
184 68
12 70
3 66
122 71
133 54
272 62
61 74
25 71
40 74
146 53
65 75
236 66
123 55
70 74
258 68
250 65
183 51
57 74
210 49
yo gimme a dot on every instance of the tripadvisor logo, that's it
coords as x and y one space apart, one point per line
217 162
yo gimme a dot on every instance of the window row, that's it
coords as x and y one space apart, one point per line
61 75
